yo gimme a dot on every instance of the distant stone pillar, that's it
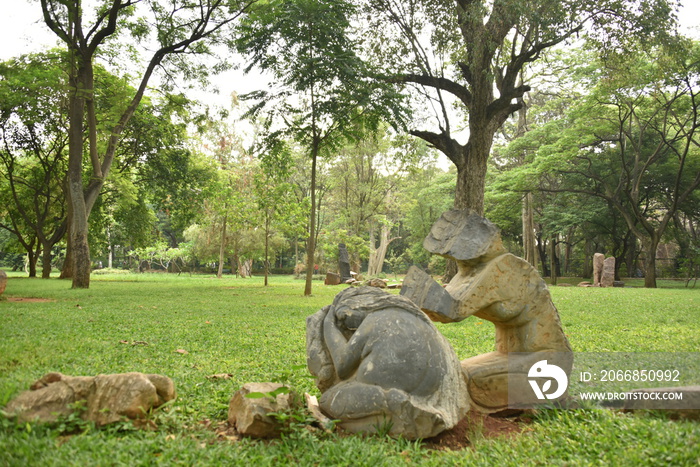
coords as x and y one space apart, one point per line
344 263
598 260
608 277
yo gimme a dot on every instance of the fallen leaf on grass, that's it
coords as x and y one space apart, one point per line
220 376
207 322
140 343
182 351
123 342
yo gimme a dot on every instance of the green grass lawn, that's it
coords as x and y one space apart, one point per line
257 333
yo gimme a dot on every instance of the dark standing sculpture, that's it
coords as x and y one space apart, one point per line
344 263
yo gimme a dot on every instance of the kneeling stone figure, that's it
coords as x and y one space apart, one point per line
382 364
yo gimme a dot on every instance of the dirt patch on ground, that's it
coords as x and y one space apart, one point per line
476 425
473 426
29 300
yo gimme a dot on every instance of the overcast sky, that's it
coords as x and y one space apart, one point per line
22 30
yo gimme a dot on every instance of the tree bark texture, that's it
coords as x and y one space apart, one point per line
222 248
377 254
311 242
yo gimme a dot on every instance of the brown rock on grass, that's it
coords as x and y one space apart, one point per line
107 398
250 415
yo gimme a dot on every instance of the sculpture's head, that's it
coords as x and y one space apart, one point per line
353 305
350 318
464 237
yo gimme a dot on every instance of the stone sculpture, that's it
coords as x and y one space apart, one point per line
607 279
380 362
604 271
108 398
344 263
598 261
496 286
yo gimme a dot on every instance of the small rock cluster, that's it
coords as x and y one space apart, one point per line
108 398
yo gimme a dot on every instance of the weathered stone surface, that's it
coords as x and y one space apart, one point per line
428 295
461 236
499 287
374 282
315 410
332 278
686 407
3 281
118 395
598 260
251 417
379 361
608 277
344 263
108 398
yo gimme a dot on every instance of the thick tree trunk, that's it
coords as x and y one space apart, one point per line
32 259
46 262
471 182
79 226
650 263
245 267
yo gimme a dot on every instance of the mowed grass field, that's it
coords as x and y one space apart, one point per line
236 326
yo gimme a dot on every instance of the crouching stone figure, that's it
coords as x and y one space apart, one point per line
381 364
499 287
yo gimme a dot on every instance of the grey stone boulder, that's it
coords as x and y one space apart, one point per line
250 416
382 364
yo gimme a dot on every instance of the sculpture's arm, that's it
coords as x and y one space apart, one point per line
346 355
429 296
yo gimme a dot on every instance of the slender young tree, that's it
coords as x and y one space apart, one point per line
175 27
324 96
